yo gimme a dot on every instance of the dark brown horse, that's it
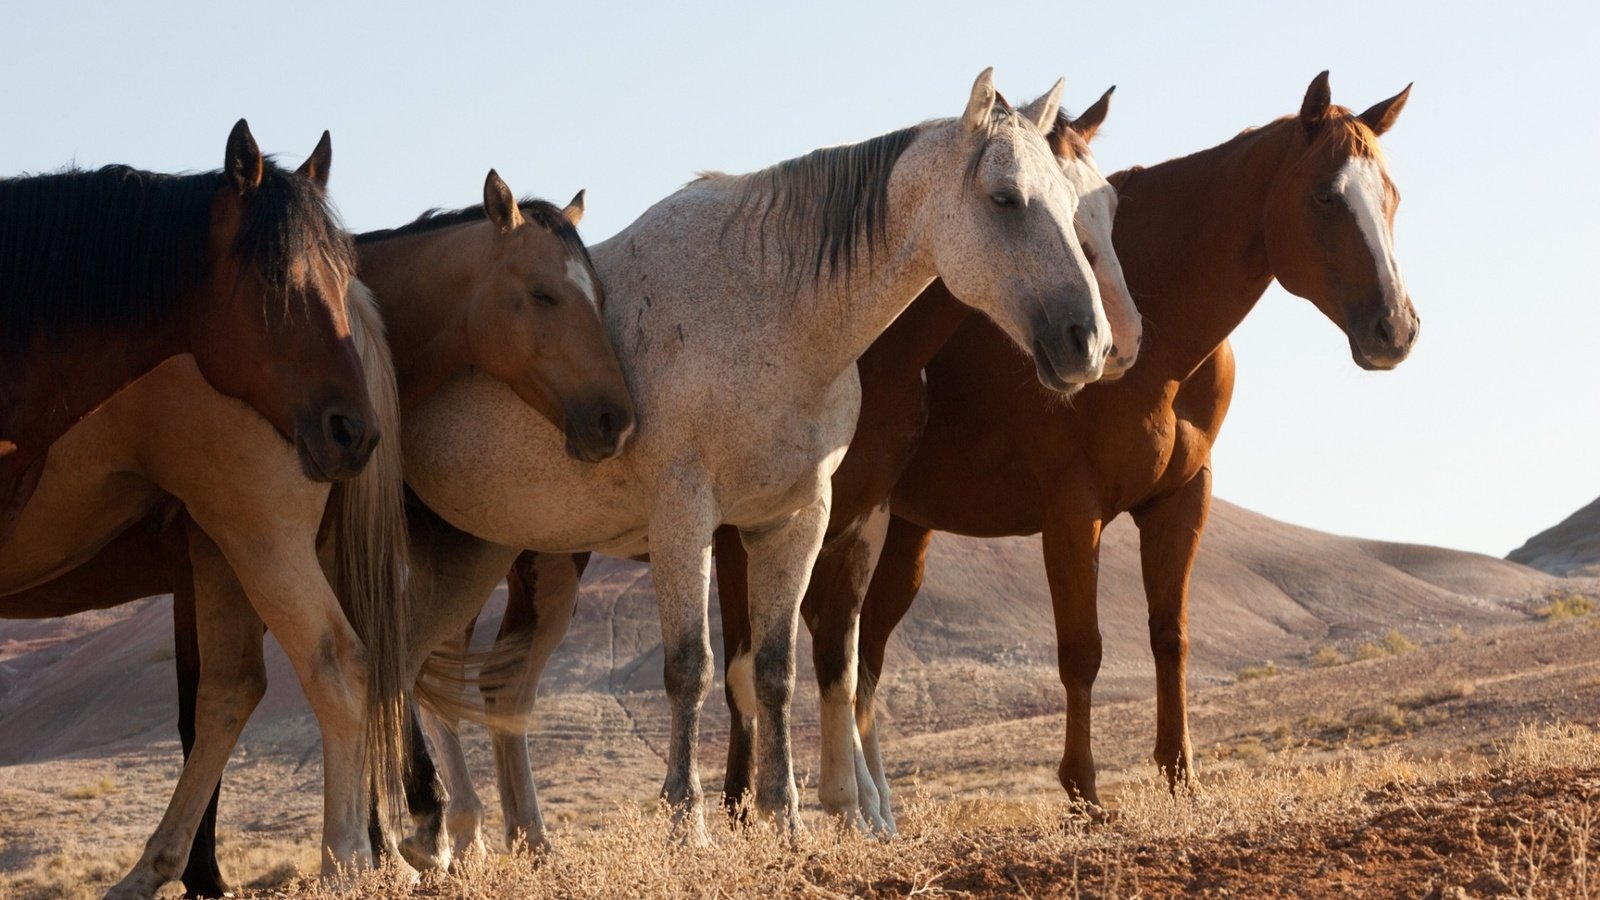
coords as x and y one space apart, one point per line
104 274
1304 199
490 287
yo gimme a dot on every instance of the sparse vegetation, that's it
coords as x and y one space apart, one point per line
1327 657
91 790
1255 673
1570 605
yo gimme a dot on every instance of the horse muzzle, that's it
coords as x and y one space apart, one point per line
598 431
1072 356
1383 341
334 442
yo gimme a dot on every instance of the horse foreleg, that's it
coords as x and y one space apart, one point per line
832 610
232 681
463 814
781 557
1071 553
1169 539
543 592
738 682
286 586
202 877
682 522
895 582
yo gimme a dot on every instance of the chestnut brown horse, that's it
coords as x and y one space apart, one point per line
105 274
1305 199
502 273
543 587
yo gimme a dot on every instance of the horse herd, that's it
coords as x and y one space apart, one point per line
198 397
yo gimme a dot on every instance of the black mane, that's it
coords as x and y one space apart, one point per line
539 212
117 247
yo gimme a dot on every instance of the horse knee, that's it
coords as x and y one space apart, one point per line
774 674
1079 660
1169 643
688 671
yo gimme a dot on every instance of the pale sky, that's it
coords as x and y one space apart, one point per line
1489 433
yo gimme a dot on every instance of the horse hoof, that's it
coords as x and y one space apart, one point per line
428 855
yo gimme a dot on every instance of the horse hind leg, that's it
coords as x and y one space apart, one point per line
895 582
233 679
428 848
543 592
739 687
1169 539
832 609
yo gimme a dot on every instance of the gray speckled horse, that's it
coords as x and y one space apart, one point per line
738 306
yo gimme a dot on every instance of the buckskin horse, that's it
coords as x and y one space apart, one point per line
104 274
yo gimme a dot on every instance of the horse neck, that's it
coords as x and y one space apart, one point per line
1190 236
814 328
422 283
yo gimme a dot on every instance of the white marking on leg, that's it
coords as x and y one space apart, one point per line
742 678
578 274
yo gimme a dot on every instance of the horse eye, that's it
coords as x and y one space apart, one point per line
1323 196
544 298
1003 199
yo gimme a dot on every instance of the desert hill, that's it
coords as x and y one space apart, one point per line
1263 590
1570 547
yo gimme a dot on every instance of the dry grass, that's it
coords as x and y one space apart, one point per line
1268 815
1255 673
1571 605
100 787
1047 845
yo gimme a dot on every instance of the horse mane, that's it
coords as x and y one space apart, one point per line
102 250
834 198
540 212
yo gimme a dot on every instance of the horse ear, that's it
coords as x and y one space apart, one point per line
1318 98
500 205
981 101
1090 120
574 211
243 166
1042 112
1381 116
319 162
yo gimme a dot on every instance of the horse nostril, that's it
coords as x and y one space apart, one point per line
608 427
1080 339
1385 330
342 431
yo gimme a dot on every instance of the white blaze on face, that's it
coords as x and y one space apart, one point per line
578 274
1362 186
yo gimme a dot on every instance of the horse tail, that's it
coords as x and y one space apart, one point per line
371 556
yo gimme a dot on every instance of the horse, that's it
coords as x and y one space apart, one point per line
170 437
1305 199
739 305
105 274
502 273
543 588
